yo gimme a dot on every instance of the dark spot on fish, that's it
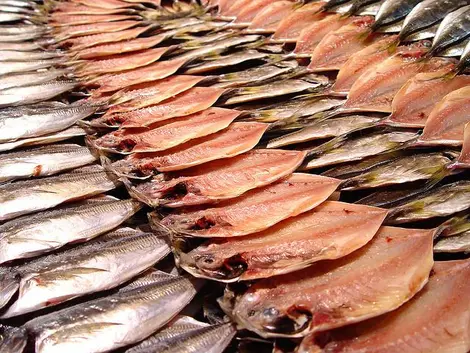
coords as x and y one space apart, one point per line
179 190
37 170
203 223
270 312
347 211
127 145
388 239
251 313
208 259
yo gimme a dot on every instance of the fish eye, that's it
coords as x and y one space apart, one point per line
270 312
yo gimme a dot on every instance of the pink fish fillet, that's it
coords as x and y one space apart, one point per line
254 7
374 280
329 231
165 136
255 210
464 158
268 19
434 321
59 19
94 28
219 180
104 4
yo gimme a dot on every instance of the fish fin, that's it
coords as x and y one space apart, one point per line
154 221
134 192
437 177
328 146
358 181
298 121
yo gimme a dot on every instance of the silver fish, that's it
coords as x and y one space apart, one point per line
452 29
13 55
464 61
33 123
20 29
183 336
43 161
95 266
21 37
24 46
35 93
129 316
17 3
66 134
10 17
12 339
25 79
23 66
30 196
46 231
391 11
14 9
454 244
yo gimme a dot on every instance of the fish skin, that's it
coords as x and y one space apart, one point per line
128 316
329 231
434 321
391 11
24 197
43 161
33 123
23 46
365 284
438 202
464 157
236 139
236 217
268 19
56 228
35 93
6 17
454 244
13 55
24 66
98 265
166 135
12 339
25 79
22 37
219 180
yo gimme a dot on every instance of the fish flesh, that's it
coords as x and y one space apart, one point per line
121 319
192 101
374 280
438 202
329 231
12 339
43 161
251 9
218 180
268 19
423 324
42 121
44 232
184 333
25 79
30 196
73 31
343 149
288 197
232 141
95 266
464 157
167 134
58 19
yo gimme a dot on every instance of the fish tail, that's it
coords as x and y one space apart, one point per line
154 221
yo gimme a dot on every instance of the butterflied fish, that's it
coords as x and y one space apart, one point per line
12 339
373 280
35 93
10 17
464 158
402 170
72 8
24 66
43 161
43 232
42 121
415 101
30 196
167 134
219 180
438 202
25 79
459 243
95 266
391 11
251 10
324 129
186 333
232 141
289 197
20 29
13 55
126 317
73 31
344 149
105 4
268 19
71 132
329 231
23 46
59 19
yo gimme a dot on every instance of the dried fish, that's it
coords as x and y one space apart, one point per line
268 19
82 30
24 66
25 79
12 339
391 11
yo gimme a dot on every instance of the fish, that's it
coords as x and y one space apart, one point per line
98 265
288 30
22 37
251 10
58 19
105 4
343 149
24 66
459 243
23 46
25 79
452 29
43 121
82 30
46 231
153 72
71 132
71 8
43 161
218 180
401 170
391 11
464 158
438 202
11 17
236 139
126 317
35 93
268 19
376 279
323 129
13 55
12 339
307 83
121 62
288 197
24 197
447 120
328 232
167 134
423 323
414 102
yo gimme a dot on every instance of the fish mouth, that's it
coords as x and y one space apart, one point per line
229 271
294 323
